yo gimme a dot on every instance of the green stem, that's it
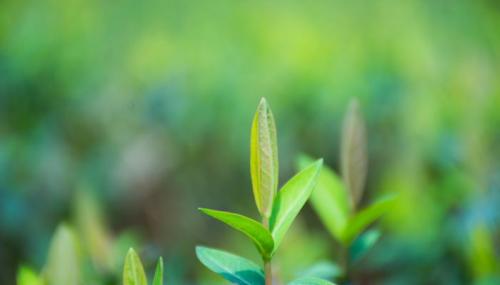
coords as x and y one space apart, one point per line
267 263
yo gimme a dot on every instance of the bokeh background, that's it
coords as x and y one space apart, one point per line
120 118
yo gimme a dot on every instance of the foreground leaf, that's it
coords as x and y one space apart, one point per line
290 200
233 268
353 152
310 281
329 199
259 235
363 244
264 158
158 278
366 217
63 263
26 276
133 272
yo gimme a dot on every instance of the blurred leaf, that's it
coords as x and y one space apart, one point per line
158 278
96 238
365 217
353 152
329 198
133 272
290 200
233 268
324 270
27 276
264 158
310 281
63 264
260 236
482 253
363 243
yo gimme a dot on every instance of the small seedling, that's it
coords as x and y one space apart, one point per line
133 271
336 200
277 209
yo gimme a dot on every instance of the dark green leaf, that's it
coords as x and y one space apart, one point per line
259 235
233 268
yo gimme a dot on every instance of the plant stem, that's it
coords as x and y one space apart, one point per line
267 263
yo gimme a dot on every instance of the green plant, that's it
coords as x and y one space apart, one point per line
133 271
336 200
277 209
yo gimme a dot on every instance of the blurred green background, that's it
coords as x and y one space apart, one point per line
120 118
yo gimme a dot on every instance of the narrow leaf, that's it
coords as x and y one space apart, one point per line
366 217
133 272
63 263
264 158
290 200
353 152
329 199
233 268
158 278
26 276
363 244
310 281
259 235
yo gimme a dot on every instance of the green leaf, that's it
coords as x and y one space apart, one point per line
353 152
363 244
233 268
366 217
27 276
158 278
63 263
133 272
259 235
264 158
329 199
324 270
310 281
290 200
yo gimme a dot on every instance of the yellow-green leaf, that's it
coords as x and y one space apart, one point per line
63 263
259 235
353 152
26 276
290 200
264 158
329 199
133 272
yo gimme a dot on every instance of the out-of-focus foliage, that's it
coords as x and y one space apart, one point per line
149 105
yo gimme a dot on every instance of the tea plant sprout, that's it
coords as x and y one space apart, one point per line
133 271
277 209
336 200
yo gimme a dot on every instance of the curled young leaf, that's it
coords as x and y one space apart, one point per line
259 235
133 272
264 158
290 200
158 278
235 269
353 152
